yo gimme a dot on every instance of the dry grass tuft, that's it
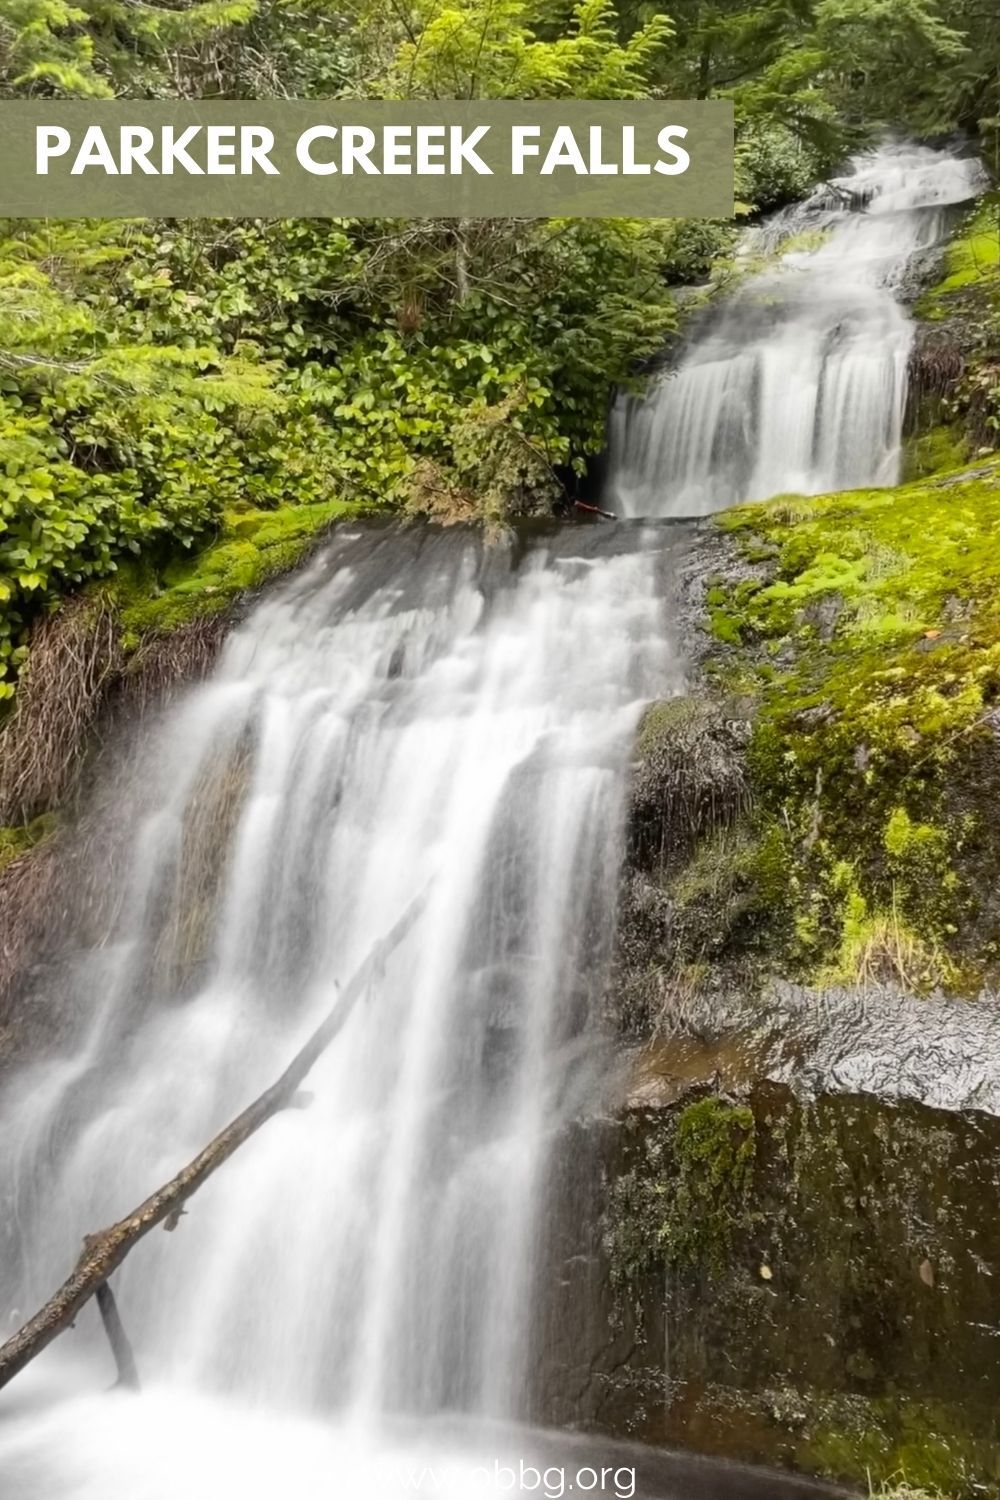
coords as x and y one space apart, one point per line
690 779
81 701
76 673
29 891
165 665
882 949
74 654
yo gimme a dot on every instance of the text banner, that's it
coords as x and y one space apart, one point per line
407 159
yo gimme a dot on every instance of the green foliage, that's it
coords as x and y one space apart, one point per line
885 51
774 165
229 48
494 49
45 48
114 441
156 377
153 376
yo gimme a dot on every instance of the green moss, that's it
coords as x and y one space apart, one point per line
972 259
707 1197
712 871
904 1450
728 894
941 448
725 626
872 645
684 1198
251 546
661 723
17 841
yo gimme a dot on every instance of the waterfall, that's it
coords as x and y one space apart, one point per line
796 382
418 712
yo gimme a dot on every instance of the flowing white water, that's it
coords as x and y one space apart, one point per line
411 715
797 382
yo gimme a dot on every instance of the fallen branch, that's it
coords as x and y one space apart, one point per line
595 510
128 1375
104 1252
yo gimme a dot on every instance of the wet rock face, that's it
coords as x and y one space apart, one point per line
683 893
925 1049
808 1283
690 778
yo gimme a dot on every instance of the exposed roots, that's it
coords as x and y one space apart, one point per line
167 664
937 365
74 654
29 897
690 781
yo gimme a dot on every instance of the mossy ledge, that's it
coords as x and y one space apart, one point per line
869 640
251 546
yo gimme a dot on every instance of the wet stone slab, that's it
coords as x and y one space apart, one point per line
811 1281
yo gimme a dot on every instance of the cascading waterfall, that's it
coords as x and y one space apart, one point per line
796 383
414 714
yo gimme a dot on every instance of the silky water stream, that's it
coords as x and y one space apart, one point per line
417 713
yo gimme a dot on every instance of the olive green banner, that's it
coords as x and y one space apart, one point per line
407 159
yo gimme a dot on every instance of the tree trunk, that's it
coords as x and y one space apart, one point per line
461 261
104 1251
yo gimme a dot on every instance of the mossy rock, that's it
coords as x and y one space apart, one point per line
871 647
689 777
803 1279
956 356
971 261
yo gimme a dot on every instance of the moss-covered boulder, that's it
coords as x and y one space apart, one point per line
869 642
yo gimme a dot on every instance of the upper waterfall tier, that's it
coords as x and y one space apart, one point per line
797 381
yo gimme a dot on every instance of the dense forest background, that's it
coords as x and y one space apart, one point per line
164 384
